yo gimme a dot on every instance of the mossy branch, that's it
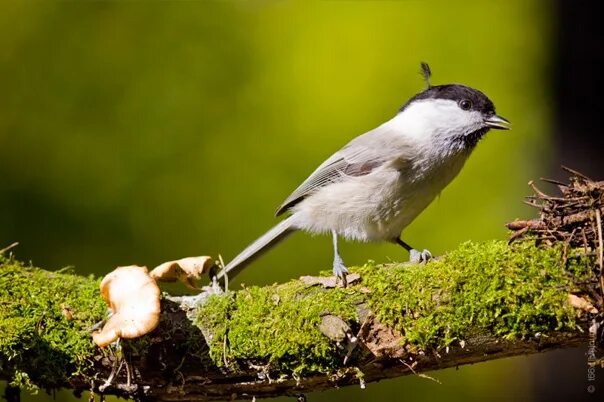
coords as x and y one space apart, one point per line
479 302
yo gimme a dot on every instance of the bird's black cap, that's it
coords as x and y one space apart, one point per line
474 99
456 92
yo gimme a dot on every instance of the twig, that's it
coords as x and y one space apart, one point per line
422 375
224 349
566 244
552 181
574 172
536 190
226 276
5 249
575 220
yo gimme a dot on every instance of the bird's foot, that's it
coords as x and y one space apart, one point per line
215 287
415 256
199 299
340 271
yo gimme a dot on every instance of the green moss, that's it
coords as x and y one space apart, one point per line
21 380
44 321
478 289
509 292
278 325
489 288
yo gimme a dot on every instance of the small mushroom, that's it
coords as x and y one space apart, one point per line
187 270
133 297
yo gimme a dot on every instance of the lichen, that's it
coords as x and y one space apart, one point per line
44 321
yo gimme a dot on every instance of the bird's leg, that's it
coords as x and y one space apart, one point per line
214 281
415 256
339 269
214 288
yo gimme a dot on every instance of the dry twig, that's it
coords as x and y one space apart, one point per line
575 220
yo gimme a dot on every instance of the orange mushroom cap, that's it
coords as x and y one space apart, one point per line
134 298
187 270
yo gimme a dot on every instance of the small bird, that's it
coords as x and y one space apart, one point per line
378 183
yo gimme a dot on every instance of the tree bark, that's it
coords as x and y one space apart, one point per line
479 302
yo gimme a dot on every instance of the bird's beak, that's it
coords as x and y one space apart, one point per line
497 122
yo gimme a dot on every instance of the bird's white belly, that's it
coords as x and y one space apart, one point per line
374 207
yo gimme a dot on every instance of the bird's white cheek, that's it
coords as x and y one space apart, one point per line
424 118
436 119
476 119
459 122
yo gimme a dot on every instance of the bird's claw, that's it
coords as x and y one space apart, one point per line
215 287
340 271
416 257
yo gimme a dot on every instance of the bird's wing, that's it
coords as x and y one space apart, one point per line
359 157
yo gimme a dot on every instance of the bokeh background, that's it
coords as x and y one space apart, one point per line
139 132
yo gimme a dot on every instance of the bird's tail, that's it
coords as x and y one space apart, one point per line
257 248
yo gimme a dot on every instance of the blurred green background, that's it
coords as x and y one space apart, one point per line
139 132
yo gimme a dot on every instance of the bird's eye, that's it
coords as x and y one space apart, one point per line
465 104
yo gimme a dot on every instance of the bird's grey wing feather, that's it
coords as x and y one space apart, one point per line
359 157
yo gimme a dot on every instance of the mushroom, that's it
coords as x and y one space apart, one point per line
187 270
133 297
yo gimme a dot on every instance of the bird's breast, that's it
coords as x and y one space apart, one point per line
377 206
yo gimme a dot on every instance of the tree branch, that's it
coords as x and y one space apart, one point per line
479 302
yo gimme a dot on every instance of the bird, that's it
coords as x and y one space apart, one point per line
377 184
